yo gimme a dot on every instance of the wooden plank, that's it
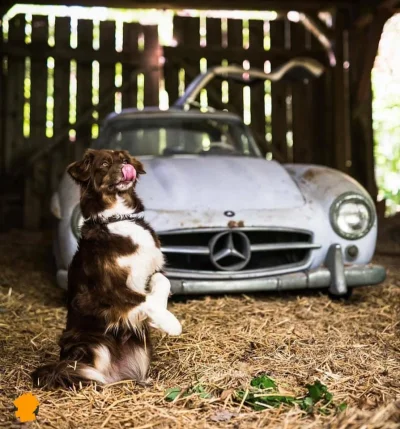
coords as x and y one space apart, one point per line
341 107
214 38
37 185
301 106
257 91
84 88
171 67
285 5
40 34
130 45
14 95
321 116
107 71
152 75
235 40
62 155
278 95
188 37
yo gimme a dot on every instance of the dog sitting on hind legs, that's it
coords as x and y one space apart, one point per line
116 288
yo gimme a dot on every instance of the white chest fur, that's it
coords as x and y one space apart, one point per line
146 259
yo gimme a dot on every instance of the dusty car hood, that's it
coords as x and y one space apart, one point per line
217 183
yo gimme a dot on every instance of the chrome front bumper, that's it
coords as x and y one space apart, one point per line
335 276
315 279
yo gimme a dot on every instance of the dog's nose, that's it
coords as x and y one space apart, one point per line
129 172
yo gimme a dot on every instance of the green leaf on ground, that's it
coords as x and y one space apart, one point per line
263 382
172 393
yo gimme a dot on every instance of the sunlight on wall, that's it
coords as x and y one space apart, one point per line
164 21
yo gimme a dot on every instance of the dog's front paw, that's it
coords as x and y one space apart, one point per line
165 321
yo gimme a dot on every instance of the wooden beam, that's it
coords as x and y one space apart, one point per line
201 4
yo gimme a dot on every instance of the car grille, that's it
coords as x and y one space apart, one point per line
235 253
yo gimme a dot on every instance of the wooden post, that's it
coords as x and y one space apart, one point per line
363 168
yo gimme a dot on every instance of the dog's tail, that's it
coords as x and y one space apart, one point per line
66 374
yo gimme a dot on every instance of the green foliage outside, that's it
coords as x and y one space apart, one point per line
386 115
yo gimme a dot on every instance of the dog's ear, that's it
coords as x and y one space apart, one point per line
138 165
80 170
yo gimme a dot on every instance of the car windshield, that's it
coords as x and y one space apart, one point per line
178 136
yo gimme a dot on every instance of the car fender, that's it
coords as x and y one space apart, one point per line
322 185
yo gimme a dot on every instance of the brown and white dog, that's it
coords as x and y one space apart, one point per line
115 285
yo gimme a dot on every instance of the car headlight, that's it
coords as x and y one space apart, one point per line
76 221
352 216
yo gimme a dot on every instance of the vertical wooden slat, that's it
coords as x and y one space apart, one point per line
172 66
37 186
235 40
214 38
84 87
14 95
40 34
321 114
341 111
130 46
152 74
107 70
257 91
278 94
301 107
62 155
188 34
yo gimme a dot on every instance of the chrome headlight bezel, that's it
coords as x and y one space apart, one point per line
76 218
359 199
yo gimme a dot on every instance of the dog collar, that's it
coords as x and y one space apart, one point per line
101 220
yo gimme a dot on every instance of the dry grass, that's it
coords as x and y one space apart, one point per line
353 348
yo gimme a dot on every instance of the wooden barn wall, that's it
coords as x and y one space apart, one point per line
291 122
286 119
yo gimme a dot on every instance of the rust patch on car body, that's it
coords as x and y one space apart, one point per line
235 224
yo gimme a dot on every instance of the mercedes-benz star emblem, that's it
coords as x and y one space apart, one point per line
230 250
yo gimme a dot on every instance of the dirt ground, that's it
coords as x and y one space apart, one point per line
352 347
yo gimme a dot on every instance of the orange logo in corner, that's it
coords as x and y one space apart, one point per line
27 407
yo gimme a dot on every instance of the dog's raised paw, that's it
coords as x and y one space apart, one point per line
165 321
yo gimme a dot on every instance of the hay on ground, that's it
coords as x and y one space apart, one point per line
352 347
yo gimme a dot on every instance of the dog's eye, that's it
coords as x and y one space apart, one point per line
125 161
105 164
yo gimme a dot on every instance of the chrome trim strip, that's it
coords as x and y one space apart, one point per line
283 246
203 250
187 250
246 228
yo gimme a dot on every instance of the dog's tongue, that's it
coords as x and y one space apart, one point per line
129 173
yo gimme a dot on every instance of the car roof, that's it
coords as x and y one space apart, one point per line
153 112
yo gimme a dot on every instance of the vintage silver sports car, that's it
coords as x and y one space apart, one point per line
228 219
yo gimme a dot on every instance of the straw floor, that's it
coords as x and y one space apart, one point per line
352 347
